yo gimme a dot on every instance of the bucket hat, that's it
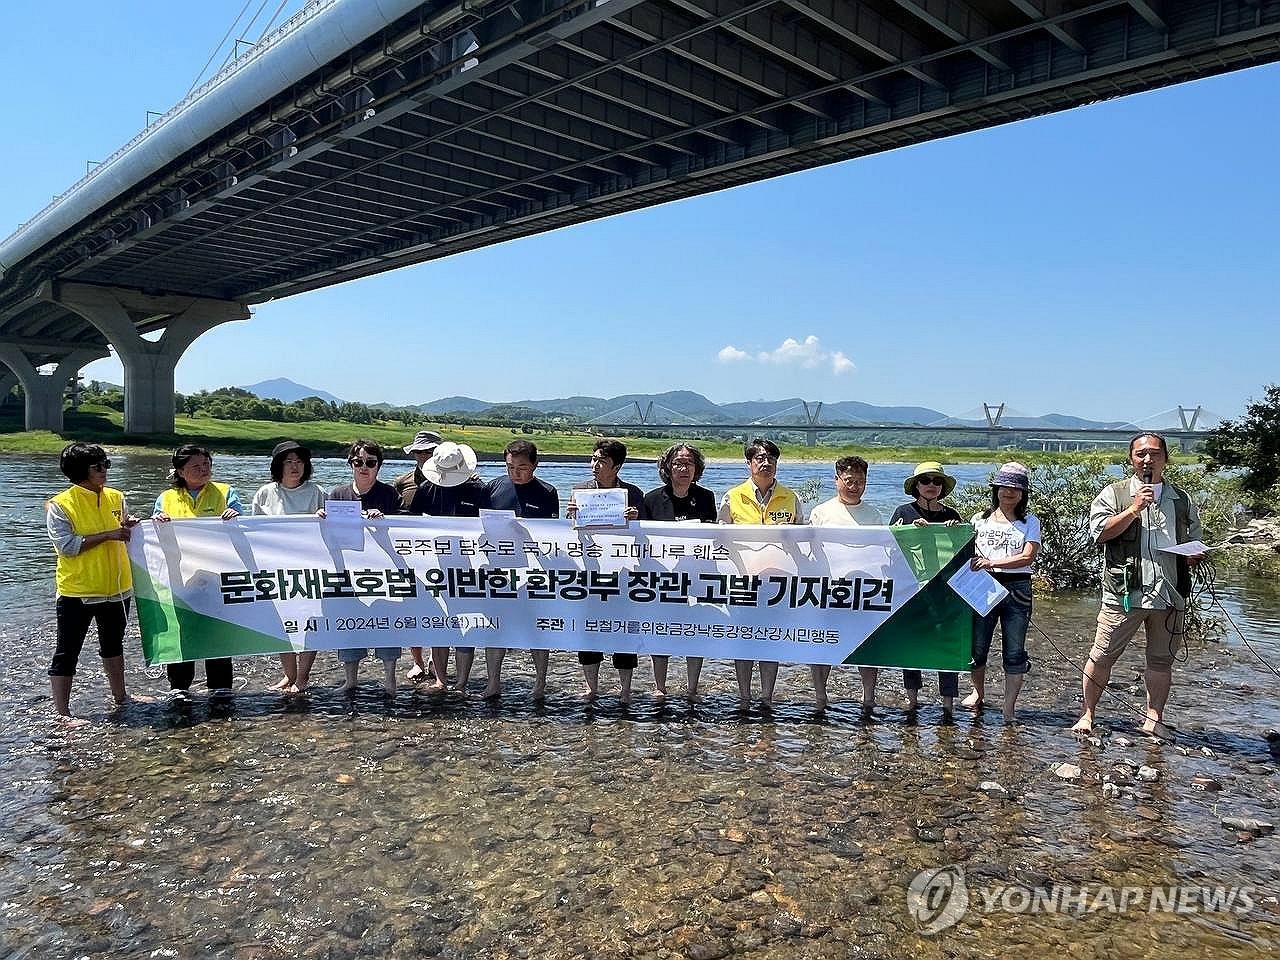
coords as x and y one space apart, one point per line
424 441
1012 474
451 465
929 467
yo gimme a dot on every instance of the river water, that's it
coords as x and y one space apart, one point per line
331 828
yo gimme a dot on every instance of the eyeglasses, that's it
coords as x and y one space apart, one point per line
103 465
682 465
933 481
764 458
368 463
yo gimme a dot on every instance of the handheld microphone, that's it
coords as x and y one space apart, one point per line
1146 474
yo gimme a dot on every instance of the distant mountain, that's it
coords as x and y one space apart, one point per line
286 391
686 406
454 405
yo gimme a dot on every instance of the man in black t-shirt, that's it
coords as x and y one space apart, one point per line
606 460
530 498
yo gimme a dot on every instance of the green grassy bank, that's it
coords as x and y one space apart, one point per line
328 438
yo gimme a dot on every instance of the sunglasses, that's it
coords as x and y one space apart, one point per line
933 481
368 463
103 465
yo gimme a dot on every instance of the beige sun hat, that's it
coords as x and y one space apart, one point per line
451 465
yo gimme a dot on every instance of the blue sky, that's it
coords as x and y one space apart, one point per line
1113 261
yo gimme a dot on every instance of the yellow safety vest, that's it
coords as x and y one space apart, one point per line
210 502
101 571
745 508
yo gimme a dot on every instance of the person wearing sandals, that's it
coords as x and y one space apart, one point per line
194 493
1006 541
290 493
927 486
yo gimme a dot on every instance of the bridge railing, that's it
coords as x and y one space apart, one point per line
311 9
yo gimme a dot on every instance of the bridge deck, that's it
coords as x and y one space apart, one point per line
464 125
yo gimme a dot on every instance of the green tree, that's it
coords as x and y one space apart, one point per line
1251 443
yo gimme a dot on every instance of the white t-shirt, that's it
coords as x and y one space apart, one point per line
994 539
833 513
275 500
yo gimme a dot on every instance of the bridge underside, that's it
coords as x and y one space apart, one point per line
465 126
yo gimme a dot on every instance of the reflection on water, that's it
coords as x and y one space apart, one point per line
327 827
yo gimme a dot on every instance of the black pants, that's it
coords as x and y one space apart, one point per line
217 674
621 661
948 682
74 617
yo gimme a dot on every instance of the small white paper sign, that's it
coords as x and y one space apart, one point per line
601 508
498 515
978 589
343 510
1192 548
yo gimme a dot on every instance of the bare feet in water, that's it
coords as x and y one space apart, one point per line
1083 725
972 702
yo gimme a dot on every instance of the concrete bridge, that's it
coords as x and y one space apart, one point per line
362 137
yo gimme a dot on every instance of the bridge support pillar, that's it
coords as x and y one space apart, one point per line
44 391
148 364
7 383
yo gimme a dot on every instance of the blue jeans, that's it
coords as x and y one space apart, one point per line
1014 614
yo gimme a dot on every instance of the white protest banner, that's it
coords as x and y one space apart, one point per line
257 585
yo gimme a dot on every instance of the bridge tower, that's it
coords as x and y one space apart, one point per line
811 416
993 413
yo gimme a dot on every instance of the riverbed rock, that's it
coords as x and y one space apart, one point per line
992 789
1068 771
1207 784
1148 774
1249 825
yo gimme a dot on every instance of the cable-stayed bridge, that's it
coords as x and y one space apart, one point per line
997 424
360 137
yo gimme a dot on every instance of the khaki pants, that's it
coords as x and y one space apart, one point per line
1164 630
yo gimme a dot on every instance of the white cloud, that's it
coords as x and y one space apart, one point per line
841 364
808 354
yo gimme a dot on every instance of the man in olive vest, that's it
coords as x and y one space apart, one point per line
760 499
1133 520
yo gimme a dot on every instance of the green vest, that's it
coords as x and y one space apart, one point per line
1122 557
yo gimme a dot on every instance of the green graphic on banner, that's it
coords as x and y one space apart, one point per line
172 631
934 629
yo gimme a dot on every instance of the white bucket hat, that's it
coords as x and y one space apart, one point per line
451 465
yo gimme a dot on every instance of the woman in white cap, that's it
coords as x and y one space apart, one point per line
290 493
1006 541
450 488
926 486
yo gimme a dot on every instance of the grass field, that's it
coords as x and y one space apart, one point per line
326 438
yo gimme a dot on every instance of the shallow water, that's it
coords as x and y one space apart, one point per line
327 827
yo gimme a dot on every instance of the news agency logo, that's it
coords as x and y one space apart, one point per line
938 898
